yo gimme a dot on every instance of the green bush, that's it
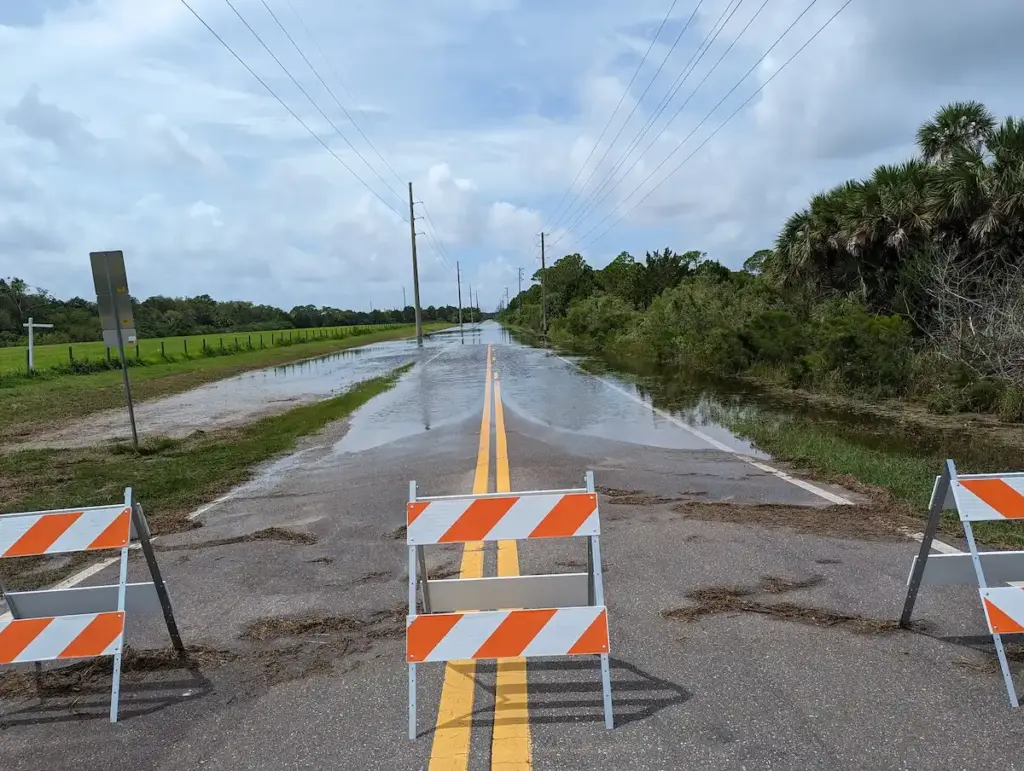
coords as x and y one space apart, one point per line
775 336
869 352
599 318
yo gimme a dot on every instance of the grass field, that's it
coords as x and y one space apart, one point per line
30 406
14 359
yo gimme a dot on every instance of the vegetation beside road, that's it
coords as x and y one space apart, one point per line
171 478
77 320
30 407
898 299
906 285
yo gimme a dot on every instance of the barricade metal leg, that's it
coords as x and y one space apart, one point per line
597 582
412 612
997 639
115 687
606 679
142 530
939 492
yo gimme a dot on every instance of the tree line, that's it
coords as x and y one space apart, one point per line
77 320
909 283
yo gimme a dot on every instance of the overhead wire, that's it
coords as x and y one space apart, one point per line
722 125
290 110
434 239
603 191
636 104
340 82
306 94
615 112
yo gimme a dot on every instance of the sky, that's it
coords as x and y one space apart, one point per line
128 125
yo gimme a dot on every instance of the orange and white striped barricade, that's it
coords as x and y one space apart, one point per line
976 498
561 614
82 622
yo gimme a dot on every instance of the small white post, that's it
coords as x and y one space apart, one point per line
32 327
31 345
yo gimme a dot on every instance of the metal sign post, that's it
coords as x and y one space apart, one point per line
116 316
32 327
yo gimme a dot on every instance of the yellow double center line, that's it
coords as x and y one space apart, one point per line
510 744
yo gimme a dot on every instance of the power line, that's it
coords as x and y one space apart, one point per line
443 254
615 112
337 77
290 110
437 245
595 201
304 92
636 104
722 125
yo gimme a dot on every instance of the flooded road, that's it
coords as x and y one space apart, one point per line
750 610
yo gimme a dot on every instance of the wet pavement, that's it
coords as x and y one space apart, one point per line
739 644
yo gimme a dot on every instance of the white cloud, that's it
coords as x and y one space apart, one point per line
127 125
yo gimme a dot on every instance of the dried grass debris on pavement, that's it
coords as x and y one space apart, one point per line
716 600
266 534
870 522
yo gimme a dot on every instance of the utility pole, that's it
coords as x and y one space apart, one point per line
404 303
458 279
520 280
471 304
543 303
415 271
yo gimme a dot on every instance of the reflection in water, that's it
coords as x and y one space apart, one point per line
709 401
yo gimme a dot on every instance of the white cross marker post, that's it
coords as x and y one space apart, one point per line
32 327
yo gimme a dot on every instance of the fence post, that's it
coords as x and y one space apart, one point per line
138 350
222 343
261 341
71 355
250 342
236 343
204 343
108 355
163 351
186 347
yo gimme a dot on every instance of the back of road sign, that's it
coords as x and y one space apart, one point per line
113 298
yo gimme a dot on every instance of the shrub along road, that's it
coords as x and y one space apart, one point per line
751 617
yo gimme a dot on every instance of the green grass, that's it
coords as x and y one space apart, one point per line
907 477
171 477
31 406
161 350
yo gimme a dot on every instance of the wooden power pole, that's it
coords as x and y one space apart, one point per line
458 279
415 271
543 302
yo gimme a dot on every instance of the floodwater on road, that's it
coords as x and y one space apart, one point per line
238 400
546 389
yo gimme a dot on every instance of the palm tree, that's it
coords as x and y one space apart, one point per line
957 126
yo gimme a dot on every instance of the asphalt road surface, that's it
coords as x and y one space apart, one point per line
750 612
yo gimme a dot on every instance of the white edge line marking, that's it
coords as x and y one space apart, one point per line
831 497
88 572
